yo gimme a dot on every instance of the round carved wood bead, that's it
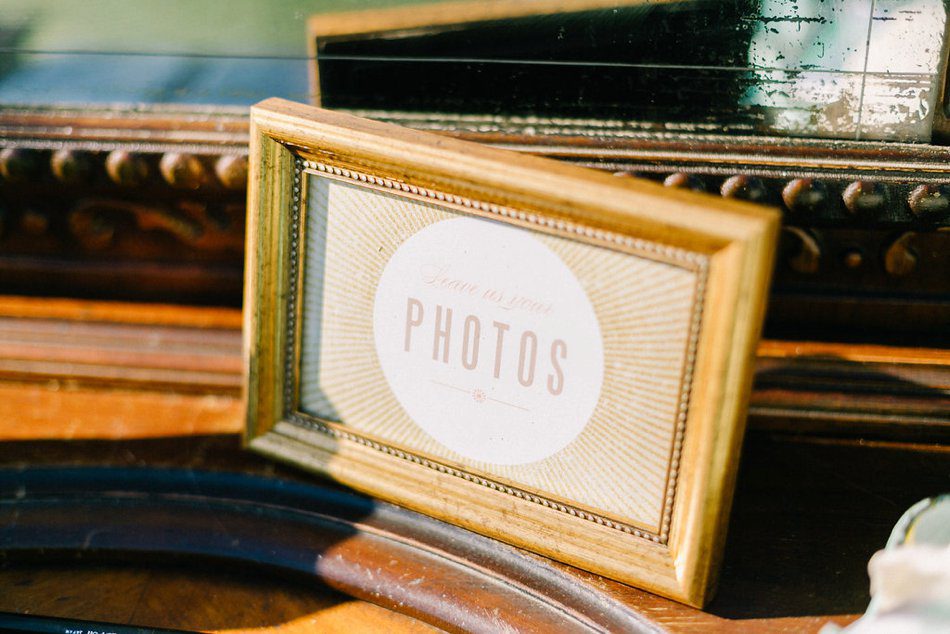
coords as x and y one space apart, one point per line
126 168
18 164
34 222
681 180
181 170
94 231
232 171
852 259
928 201
744 187
71 166
862 197
805 195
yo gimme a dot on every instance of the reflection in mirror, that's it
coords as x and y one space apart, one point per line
118 53
851 69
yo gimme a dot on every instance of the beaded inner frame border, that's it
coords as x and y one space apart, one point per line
699 263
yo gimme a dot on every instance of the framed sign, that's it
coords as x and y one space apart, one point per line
549 355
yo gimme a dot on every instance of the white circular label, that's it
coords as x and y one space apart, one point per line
488 341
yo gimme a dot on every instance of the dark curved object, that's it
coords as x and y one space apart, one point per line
440 574
29 624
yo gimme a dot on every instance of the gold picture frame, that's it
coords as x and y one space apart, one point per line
638 486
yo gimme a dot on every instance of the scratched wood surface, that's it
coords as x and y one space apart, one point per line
810 507
231 601
809 513
237 602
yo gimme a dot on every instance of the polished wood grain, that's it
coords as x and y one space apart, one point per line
92 369
223 600
854 353
53 409
241 602
184 359
114 312
82 369
857 390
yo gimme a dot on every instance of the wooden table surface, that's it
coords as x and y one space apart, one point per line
808 515
190 599
82 383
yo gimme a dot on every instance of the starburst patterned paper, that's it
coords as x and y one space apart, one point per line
623 463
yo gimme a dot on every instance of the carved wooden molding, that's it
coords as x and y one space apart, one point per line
149 205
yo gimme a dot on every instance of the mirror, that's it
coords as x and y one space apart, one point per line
849 69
